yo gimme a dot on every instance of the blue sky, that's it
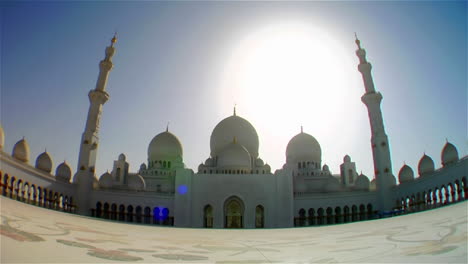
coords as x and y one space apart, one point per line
172 57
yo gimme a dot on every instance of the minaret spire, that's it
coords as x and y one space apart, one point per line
379 139
84 176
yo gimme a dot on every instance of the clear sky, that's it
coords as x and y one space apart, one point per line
285 64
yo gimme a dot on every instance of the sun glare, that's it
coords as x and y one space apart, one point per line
286 75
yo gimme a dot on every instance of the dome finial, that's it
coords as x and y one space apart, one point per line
358 42
235 109
167 127
234 140
302 129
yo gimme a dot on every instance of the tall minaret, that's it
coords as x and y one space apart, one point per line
379 139
84 176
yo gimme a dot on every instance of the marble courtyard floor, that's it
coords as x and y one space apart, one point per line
32 234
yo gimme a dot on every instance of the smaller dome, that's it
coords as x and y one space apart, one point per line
406 174
259 162
165 146
136 182
267 168
346 159
142 167
21 150
44 162
333 184
303 147
63 172
373 185
122 157
209 162
201 167
2 137
326 168
362 183
426 165
234 156
106 180
449 154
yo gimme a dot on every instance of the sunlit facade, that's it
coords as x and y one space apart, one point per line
234 187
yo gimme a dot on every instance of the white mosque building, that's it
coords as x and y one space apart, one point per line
234 187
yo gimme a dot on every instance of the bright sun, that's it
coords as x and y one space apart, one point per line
286 75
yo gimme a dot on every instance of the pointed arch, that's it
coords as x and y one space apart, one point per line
259 216
122 212
346 213
320 216
138 213
233 212
147 215
130 213
338 215
354 213
98 209
208 216
113 211
106 210
301 218
312 216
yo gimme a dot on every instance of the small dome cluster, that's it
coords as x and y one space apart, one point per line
234 156
234 149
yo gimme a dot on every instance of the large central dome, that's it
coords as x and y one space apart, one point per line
234 127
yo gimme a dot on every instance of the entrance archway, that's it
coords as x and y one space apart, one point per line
234 213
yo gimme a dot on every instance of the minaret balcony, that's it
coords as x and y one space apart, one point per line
98 96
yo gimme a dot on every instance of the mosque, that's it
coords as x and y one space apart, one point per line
234 187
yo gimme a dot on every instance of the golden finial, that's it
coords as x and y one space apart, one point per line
167 127
235 109
234 140
114 39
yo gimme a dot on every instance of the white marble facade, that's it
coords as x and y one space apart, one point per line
234 187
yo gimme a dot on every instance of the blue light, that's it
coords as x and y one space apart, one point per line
182 189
